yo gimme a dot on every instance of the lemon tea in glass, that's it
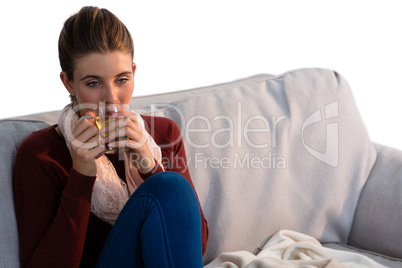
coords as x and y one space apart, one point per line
107 116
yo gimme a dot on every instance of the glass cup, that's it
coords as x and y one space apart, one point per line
107 116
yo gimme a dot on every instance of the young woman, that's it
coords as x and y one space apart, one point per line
79 207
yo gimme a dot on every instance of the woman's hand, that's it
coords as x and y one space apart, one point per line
139 153
85 147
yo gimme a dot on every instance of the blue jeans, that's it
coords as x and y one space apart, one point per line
160 226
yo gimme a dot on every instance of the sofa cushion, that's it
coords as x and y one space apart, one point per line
12 133
272 153
383 259
377 223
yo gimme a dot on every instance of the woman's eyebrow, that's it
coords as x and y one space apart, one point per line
124 73
98 77
90 76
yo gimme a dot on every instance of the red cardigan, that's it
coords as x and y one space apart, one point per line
53 201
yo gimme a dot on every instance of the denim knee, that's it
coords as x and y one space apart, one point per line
167 185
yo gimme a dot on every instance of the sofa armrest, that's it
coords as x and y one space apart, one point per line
378 217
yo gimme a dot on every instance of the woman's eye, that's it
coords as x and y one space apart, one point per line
93 84
122 80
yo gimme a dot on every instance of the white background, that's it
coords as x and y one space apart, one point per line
186 44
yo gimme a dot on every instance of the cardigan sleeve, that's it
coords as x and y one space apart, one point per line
52 207
154 171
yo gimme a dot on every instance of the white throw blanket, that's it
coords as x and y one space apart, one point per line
292 249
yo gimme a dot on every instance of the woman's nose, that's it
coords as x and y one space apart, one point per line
111 94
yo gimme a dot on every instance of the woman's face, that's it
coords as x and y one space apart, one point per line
100 77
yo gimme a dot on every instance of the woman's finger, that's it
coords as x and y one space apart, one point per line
115 128
81 139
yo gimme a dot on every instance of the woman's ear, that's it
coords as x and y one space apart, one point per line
134 68
67 83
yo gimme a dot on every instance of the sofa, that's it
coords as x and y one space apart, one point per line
265 153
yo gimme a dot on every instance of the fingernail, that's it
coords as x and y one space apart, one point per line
85 117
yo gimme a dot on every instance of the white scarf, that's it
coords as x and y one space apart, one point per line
110 193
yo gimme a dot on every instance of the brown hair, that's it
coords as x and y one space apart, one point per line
92 30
